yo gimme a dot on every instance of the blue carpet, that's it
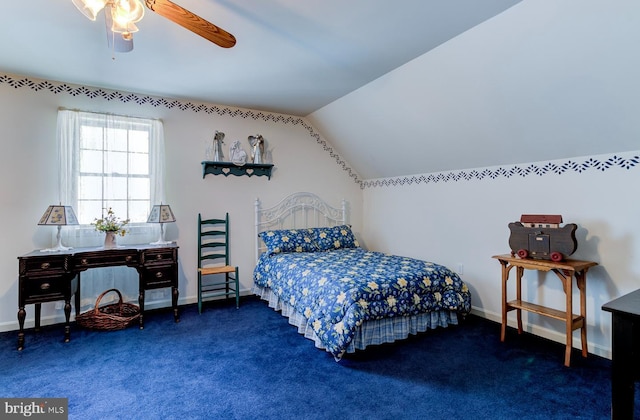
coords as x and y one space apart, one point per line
250 363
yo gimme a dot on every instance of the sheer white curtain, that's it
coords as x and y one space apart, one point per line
110 189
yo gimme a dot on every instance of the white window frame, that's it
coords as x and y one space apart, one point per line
68 137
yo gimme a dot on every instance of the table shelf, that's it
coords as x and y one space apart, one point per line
545 311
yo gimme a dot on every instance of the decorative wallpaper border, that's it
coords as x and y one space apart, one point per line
454 176
126 97
531 169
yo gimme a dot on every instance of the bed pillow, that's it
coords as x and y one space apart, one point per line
336 237
288 240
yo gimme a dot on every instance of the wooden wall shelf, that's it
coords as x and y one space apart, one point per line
229 168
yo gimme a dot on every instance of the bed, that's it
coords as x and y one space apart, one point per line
311 267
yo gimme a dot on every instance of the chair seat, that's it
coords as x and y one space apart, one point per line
217 270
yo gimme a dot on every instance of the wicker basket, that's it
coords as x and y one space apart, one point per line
115 316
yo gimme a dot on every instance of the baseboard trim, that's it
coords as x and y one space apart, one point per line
554 335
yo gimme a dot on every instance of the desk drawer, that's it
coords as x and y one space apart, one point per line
158 256
45 265
156 277
42 288
107 259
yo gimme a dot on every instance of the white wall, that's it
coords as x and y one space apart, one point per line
28 174
462 222
545 79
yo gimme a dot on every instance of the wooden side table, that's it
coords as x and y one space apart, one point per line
565 270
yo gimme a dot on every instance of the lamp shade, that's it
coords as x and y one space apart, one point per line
59 215
90 8
161 213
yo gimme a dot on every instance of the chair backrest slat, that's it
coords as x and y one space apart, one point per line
213 234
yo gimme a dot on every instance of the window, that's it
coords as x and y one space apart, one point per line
114 171
110 161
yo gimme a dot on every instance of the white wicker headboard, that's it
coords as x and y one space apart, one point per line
297 211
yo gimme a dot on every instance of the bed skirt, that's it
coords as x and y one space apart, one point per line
371 332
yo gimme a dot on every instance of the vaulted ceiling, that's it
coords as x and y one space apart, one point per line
291 56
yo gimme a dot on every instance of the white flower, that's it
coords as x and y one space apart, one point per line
372 285
341 297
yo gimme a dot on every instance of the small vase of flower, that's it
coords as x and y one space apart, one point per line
111 226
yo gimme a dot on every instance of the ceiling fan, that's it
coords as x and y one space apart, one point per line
122 16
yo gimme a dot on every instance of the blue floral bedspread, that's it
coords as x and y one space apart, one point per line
337 290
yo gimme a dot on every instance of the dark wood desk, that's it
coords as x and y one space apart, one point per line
625 345
53 276
565 270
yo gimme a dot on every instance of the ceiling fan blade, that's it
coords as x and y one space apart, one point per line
192 22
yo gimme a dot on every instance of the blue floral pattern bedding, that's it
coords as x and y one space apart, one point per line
338 290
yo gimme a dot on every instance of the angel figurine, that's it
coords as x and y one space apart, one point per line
217 146
236 154
257 148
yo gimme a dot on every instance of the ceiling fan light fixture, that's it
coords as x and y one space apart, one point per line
90 8
125 12
123 28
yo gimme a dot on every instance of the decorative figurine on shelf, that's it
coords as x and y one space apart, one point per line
236 154
217 146
257 148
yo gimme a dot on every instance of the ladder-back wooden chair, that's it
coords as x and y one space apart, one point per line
215 276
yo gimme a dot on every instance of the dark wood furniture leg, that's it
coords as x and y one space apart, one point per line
141 304
624 343
174 302
22 315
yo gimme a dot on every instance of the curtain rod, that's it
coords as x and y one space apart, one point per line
61 108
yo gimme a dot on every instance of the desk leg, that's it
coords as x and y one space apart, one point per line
38 316
67 315
174 303
22 315
77 300
141 303
622 367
